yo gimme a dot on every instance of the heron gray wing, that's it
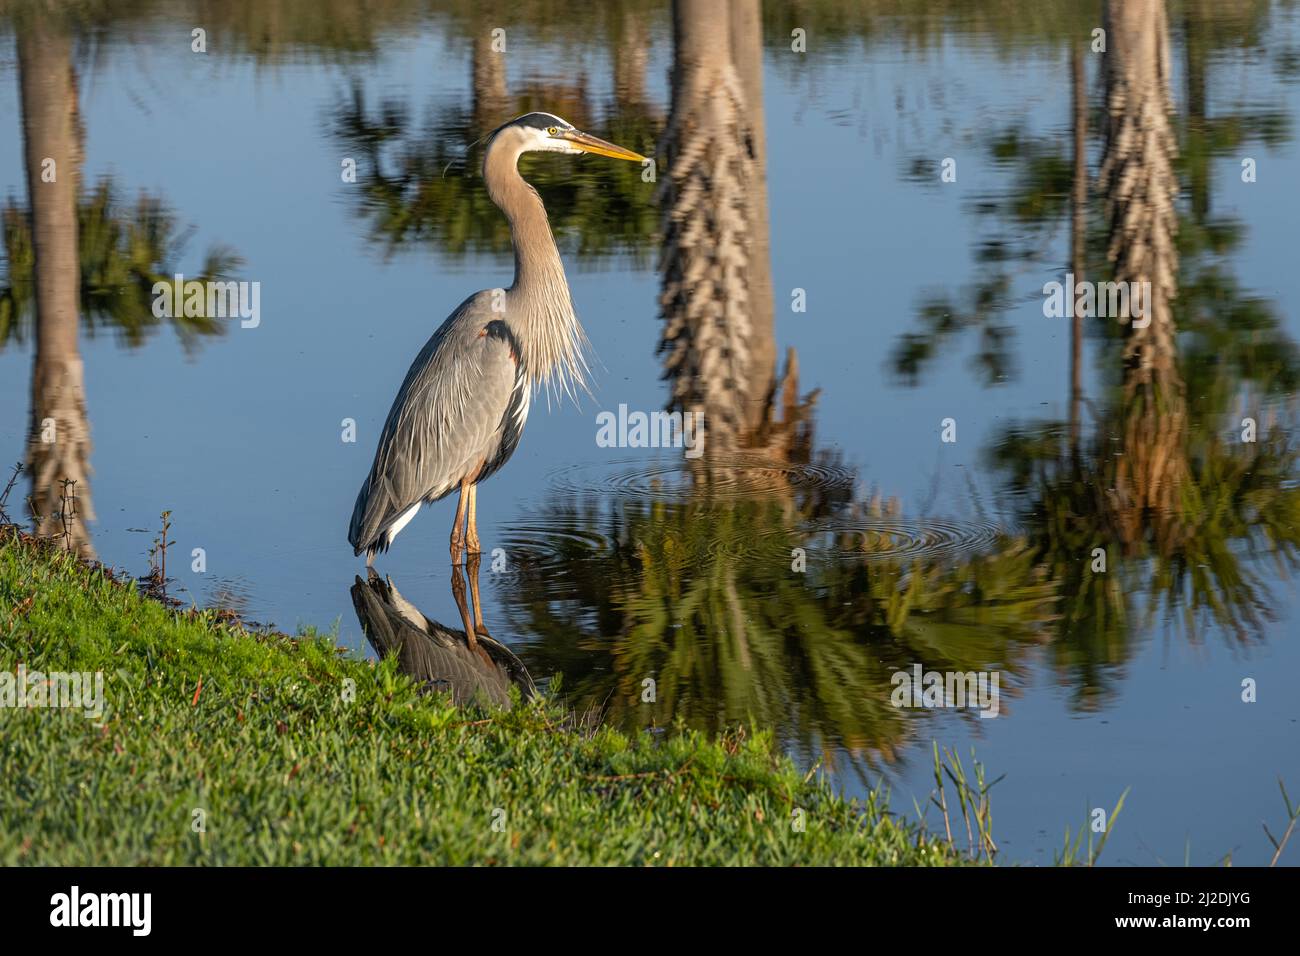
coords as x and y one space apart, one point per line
446 420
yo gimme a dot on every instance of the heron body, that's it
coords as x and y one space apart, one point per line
461 409
454 420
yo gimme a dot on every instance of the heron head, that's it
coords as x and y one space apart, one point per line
546 132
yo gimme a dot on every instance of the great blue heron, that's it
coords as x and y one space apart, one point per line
458 416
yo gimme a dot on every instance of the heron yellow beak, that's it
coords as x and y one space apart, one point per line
594 144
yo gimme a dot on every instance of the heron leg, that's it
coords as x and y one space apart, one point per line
471 536
480 625
457 529
458 592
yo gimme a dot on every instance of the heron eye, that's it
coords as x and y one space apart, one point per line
552 130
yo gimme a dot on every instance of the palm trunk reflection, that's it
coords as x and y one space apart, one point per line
58 448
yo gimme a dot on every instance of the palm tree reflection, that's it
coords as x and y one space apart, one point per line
58 448
692 587
421 184
74 259
699 596
1191 521
687 597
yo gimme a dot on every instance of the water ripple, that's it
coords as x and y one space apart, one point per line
731 477
889 539
735 525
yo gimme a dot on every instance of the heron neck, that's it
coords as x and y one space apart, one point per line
538 306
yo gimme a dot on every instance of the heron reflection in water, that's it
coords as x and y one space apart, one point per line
469 664
460 412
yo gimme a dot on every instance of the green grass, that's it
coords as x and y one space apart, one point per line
288 772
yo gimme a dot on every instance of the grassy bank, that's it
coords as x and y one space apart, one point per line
255 732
